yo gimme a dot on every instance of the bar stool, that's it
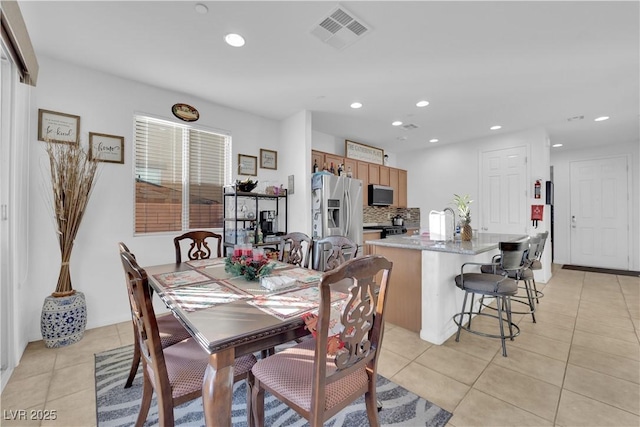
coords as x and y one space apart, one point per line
500 287
525 275
537 263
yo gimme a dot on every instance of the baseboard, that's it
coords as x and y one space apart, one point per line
602 270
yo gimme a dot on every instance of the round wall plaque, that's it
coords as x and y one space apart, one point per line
185 112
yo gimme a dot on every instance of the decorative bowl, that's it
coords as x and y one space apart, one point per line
246 186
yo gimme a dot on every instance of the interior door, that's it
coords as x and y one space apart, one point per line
503 196
600 213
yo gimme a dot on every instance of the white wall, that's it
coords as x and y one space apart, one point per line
436 173
560 160
106 104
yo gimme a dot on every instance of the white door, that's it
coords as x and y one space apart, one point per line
600 213
504 191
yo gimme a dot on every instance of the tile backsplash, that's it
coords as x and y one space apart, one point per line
383 215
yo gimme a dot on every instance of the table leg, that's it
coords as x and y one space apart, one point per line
217 388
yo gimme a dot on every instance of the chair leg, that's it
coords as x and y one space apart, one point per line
507 302
257 403
135 363
250 380
145 403
370 399
532 304
464 305
501 320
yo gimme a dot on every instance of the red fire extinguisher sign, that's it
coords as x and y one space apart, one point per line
536 214
537 187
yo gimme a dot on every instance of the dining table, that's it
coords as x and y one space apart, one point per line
230 316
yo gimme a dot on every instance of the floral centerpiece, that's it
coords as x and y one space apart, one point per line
247 266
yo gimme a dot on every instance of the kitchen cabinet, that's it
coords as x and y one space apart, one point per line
353 164
374 173
393 183
366 236
402 188
385 176
368 173
363 175
317 158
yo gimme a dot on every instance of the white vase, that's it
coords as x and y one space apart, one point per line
63 320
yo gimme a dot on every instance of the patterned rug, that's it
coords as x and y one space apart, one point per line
117 406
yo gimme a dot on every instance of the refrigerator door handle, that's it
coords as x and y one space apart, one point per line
347 199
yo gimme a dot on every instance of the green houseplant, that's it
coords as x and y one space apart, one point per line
72 175
462 203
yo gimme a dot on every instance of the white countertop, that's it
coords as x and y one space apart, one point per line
481 242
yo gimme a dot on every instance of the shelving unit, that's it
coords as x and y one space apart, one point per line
242 227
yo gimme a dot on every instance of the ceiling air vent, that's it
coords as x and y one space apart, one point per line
340 29
409 126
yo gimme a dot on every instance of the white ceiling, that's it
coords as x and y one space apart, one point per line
519 64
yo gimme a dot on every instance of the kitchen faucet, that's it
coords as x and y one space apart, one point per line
454 222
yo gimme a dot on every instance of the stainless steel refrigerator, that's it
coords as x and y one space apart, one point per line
336 209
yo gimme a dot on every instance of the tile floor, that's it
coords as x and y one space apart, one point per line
579 365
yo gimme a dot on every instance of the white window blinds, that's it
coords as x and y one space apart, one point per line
179 176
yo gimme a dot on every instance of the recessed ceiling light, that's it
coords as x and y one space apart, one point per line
433 140
235 40
356 105
496 127
556 145
401 138
601 119
201 9
422 104
397 123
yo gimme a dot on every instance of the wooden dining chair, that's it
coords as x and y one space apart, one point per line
316 385
175 373
295 248
199 247
331 252
170 330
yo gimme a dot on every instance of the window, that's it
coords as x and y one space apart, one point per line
179 176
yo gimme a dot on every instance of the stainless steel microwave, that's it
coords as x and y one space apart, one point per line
380 195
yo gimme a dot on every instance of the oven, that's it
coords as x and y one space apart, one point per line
388 230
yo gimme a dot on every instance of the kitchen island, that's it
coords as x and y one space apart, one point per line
422 294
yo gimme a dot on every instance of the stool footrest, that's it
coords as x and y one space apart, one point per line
457 320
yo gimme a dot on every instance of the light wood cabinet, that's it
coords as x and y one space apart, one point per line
402 188
363 175
353 164
374 173
317 157
385 175
393 183
366 236
368 173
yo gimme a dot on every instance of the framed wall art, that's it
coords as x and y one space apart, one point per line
268 159
58 127
355 150
106 148
247 165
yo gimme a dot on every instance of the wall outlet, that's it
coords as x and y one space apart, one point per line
408 215
388 215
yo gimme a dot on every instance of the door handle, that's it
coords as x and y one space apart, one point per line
573 221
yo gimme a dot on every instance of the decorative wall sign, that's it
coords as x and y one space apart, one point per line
106 148
247 165
185 112
355 150
268 159
58 127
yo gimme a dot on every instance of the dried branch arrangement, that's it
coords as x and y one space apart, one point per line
72 178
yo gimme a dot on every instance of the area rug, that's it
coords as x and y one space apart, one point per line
602 270
117 406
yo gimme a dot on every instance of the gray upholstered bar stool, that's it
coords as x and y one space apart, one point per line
537 262
501 287
524 275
